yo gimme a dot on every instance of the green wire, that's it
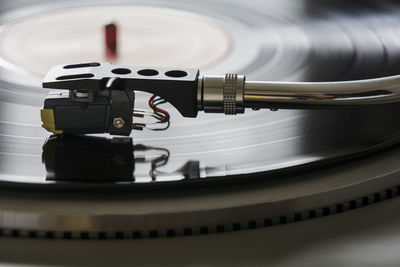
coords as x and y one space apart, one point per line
161 129
160 102
163 101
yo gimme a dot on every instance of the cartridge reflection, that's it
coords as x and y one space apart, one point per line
89 159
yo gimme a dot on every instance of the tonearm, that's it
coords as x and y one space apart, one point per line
99 97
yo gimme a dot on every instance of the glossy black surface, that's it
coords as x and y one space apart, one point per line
288 40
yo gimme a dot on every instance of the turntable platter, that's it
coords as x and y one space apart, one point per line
210 174
286 40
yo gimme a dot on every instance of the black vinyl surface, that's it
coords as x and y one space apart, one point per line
305 40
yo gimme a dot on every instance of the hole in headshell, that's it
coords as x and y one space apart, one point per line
121 71
75 76
82 65
176 73
148 72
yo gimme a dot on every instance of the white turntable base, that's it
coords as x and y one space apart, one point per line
368 236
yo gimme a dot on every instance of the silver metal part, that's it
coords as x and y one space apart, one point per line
349 93
230 94
118 122
233 94
81 94
138 126
222 94
212 94
200 93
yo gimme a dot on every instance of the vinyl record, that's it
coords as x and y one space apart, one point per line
264 40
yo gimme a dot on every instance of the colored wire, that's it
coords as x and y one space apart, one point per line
158 111
161 115
159 129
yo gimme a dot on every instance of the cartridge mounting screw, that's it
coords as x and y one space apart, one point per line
118 122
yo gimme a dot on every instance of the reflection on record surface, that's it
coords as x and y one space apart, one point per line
89 159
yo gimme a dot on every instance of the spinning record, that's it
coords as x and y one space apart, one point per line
279 41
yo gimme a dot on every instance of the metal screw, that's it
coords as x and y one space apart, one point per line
118 122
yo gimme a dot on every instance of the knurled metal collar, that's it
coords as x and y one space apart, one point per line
233 94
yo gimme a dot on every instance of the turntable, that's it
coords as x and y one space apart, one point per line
192 172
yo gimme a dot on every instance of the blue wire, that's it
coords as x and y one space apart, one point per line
158 99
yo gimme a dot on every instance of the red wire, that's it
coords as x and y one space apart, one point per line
156 109
151 104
